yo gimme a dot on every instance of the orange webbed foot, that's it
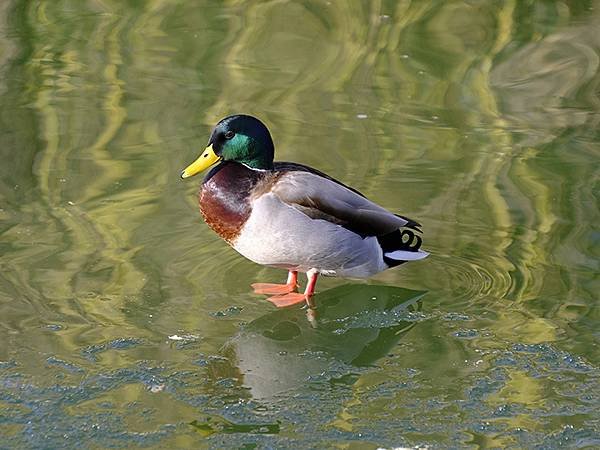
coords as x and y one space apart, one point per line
292 298
273 289
278 289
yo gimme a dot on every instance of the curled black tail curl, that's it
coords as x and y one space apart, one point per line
404 240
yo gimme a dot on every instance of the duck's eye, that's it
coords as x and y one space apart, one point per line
229 135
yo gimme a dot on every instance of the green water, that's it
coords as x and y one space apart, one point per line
125 322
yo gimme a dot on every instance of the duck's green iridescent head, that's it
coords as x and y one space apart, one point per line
239 138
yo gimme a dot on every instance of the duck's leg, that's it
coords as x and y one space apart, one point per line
293 298
278 289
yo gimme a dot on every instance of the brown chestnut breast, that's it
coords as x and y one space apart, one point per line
225 198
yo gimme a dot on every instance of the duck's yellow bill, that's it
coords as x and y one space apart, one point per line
206 159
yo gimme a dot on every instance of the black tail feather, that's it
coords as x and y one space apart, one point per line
404 239
412 224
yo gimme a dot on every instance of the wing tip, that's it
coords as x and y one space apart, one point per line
412 224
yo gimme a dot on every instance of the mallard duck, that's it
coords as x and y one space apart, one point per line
294 217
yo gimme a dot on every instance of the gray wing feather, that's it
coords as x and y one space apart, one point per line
322 198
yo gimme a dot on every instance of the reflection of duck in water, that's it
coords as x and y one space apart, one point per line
358 324
292 216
